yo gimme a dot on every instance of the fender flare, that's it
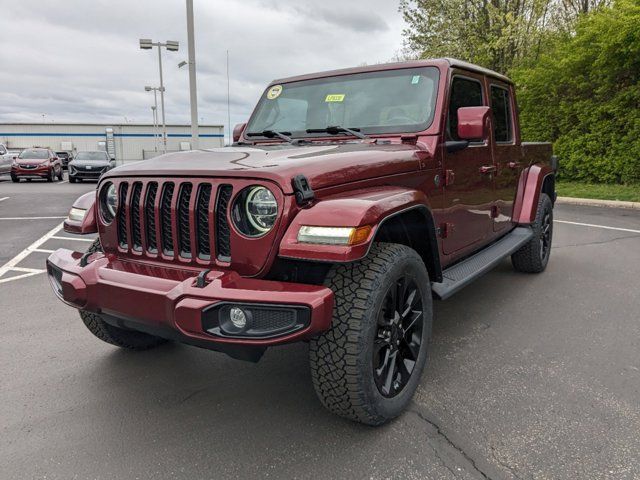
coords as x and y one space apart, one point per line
89 224
369 207
530 185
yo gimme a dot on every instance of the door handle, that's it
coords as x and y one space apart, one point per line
513 164
488 169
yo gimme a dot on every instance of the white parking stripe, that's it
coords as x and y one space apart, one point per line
42 250
32 218
24 253
76 239
4 198
597 226
28 270
18 277
64 181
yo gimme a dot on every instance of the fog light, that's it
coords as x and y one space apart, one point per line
238 317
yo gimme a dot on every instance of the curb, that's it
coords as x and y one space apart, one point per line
598 203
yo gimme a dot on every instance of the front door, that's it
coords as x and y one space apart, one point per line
469 193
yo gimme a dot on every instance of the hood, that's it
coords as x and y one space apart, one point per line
91 163
324 165
31 161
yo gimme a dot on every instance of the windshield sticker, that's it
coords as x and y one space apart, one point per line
415 80
336 97
274 92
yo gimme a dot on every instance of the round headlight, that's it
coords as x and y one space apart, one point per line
255 211
108 202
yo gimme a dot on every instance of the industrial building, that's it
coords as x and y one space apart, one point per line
124 142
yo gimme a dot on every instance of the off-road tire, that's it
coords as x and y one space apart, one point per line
530 258
341 358
72 179
61 174
119 337
14 179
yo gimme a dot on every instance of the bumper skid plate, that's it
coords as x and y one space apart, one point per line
168 302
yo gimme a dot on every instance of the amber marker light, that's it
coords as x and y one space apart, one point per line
333 235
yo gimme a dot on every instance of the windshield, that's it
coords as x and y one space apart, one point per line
34 154
392 101
91 156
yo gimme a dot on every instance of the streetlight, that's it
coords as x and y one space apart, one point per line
172 46
154 109
193 96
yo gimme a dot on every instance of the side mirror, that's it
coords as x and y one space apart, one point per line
473 123
237 131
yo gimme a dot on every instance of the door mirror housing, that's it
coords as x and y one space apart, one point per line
473 123
237 131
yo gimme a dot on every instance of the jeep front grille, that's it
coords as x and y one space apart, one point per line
177 218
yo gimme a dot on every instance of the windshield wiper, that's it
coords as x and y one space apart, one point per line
334 130
272 133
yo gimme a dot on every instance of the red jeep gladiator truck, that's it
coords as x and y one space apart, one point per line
349 201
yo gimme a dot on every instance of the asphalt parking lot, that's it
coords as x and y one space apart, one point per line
530 376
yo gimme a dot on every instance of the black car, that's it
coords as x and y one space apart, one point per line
65 157
89 165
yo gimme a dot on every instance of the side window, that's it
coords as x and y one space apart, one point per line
3 151
501 109
464 93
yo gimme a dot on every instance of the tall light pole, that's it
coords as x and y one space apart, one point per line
171 46
195 140
155 110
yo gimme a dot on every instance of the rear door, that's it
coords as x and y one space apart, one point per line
506 152
469 193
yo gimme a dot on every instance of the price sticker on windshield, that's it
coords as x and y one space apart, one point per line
274 92
335 97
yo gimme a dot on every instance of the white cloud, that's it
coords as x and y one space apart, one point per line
79 61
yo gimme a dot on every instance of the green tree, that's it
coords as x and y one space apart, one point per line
583 93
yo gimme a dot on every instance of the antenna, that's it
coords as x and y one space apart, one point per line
229 101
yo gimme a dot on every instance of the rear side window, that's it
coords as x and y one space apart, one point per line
464 93
501 109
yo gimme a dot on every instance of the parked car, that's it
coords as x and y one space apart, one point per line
36 163
89 165
5 160
65 158
349 200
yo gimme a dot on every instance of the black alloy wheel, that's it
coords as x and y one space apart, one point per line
399 337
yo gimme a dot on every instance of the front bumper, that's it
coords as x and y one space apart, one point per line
168 302
35 172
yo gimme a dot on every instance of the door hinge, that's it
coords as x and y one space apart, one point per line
444 230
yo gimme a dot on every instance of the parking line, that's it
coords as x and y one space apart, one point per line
24 253
76 239
18 277
32 218
28 270
42 250
63 181
4 198
597 226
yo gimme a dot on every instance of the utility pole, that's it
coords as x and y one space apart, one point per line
195 140
172 46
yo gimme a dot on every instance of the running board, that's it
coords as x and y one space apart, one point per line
461 274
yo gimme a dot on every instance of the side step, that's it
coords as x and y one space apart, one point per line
461 274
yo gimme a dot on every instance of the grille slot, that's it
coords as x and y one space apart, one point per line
134 209
184 232
165 218
202 221
122 218
150 217
223 234
176 218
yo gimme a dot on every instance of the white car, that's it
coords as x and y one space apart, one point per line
6 158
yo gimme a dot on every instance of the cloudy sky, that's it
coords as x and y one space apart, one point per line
79 60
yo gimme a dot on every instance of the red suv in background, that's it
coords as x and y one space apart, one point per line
37 163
